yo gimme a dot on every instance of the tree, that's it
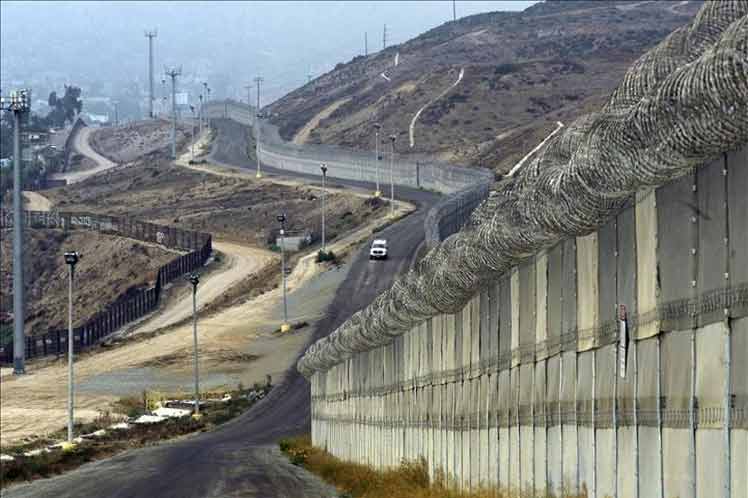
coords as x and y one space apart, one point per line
65 108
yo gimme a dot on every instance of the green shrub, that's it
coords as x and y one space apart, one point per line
323 256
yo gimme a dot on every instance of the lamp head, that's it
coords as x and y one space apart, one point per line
323 167
194 279
71 258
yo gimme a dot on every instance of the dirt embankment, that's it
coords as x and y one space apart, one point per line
523 71
231 208
127 143
109 267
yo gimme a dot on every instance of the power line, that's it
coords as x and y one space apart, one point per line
150 35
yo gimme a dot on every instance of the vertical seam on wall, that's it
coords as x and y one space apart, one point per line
728 338
694 296
616 374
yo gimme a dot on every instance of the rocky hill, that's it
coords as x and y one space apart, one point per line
484 89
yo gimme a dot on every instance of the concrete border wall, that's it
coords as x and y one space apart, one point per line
466 187
533 384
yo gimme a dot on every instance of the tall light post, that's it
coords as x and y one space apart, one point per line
201 114
377 127
71 259
285 327
150 35
323 167
258 80
206 93
163 95
194 280
392 176
173 73
19 103
192 126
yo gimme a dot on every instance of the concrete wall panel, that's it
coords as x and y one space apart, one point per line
587 299
647 287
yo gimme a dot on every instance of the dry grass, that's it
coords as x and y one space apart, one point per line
409 480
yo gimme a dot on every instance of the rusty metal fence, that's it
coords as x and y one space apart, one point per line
127 307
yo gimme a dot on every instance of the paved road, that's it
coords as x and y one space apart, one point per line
240 459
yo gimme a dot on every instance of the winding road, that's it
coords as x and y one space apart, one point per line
82 145
240 458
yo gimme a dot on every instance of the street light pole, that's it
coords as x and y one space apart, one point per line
285 327
192 128
377 127
392 178
173 73
324 194
194 280
258 80
71 259
18 103
201 114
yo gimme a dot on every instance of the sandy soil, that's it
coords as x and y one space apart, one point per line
34 201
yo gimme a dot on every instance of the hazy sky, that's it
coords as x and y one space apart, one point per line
230 42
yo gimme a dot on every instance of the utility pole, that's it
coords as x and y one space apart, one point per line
150 35
384 37
454 10
173 73
392 176
323 167
366 44
19 103
200 114
71 259
377 127
192 127
194 280
249 94
258 80
285 326
116 113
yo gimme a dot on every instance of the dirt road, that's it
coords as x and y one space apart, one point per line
242 261
82 145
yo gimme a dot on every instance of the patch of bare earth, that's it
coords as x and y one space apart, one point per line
129 142
232 208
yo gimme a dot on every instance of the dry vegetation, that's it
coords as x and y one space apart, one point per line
110 267
409 480
28 468
523 72
129 142
231 208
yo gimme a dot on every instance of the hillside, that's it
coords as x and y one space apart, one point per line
489 87
109 267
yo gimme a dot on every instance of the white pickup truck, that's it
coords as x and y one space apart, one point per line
378 249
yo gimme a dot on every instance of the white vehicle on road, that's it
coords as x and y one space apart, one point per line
378 249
